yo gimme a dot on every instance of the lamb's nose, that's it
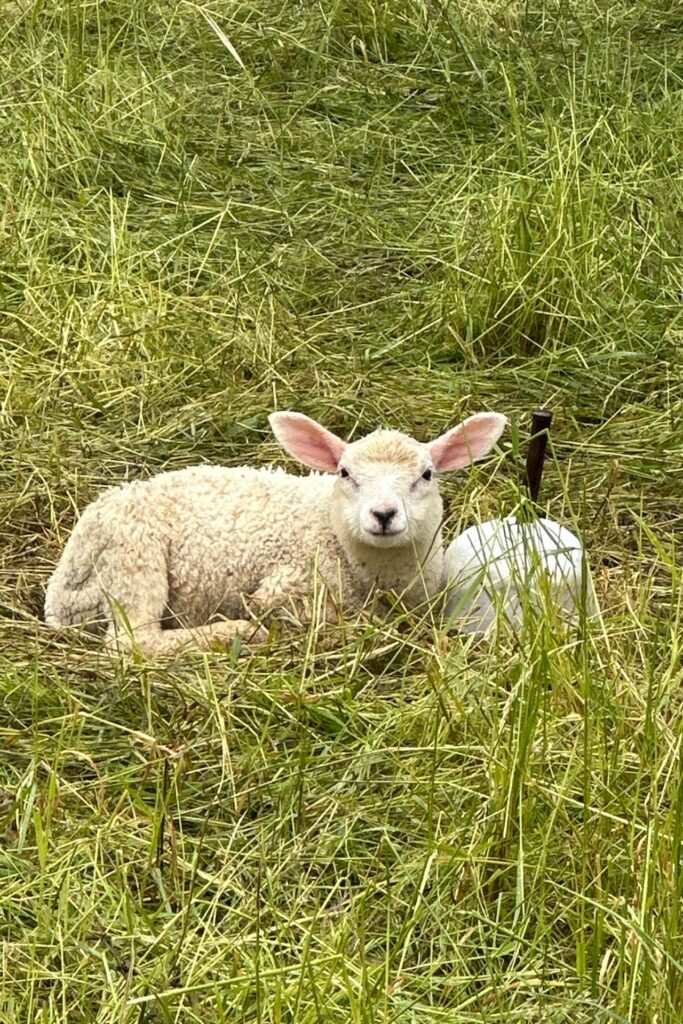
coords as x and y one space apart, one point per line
384 517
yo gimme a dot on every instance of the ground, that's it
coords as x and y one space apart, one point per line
394 213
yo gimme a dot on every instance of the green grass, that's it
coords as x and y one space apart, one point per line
395 213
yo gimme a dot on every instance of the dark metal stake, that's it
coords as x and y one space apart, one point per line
540 425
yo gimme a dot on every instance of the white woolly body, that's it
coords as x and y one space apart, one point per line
186 547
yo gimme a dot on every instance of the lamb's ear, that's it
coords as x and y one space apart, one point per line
469 441
307 441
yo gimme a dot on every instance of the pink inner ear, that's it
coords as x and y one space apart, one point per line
468 442
307 441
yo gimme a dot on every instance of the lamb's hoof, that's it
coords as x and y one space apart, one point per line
225 634
255 634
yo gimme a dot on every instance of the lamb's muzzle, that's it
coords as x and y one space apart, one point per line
384 518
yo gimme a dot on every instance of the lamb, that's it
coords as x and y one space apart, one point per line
207 554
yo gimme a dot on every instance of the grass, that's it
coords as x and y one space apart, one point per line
395 213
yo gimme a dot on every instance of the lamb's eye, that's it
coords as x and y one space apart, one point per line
344 473
427 475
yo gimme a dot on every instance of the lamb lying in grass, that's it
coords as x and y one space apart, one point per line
207 554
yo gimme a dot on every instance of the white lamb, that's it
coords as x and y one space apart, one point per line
209 553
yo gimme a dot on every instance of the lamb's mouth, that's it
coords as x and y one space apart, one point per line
380 535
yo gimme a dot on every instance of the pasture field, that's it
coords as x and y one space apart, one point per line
395 212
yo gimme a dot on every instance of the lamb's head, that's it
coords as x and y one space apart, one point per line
387 493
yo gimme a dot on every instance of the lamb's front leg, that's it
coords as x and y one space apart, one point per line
283 594
158 642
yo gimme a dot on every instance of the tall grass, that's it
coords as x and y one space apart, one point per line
394 212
